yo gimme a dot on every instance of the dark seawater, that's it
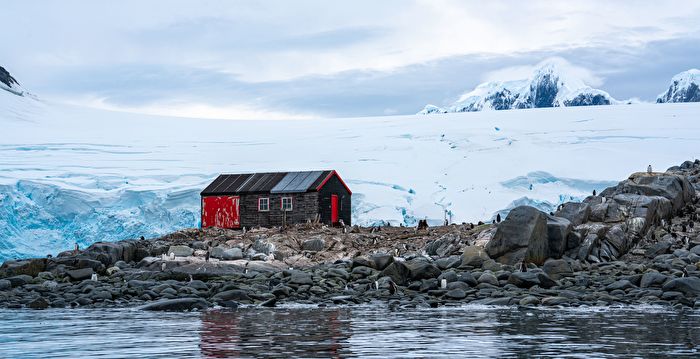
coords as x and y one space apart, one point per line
468 331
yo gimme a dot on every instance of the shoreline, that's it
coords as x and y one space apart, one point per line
634 244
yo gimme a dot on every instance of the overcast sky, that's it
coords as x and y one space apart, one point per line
279 59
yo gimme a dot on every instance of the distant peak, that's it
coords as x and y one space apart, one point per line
684 87
9 83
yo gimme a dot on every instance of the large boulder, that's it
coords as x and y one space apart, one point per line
558 230
420 269
398 272
31 267
112 252
675 188
226 254
690 286
577 213
557 268
523 232
530 279
180 251
474 256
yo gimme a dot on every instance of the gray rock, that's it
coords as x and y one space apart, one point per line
233 294
488 278
206 270
179 304
381 261
524 228
558 230
110 253
529 300
263 246
5 284
180 251
226 254
557 268
448 262
301 278
314 245
676 188
576 213
419 269
621 284
690 286
398 272
474 256
31 267
662 247
530 279
456 294
652 279
80 274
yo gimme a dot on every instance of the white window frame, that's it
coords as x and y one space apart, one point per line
291 204
267 202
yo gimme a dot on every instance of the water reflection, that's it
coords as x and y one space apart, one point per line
282 333
367 332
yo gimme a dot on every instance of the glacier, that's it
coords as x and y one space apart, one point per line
73 174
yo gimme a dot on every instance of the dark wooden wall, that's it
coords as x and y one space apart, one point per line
305 207
334 186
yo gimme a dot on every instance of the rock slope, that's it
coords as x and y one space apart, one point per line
685 87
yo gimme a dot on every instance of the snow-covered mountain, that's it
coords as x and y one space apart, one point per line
9 84
549 85
685 87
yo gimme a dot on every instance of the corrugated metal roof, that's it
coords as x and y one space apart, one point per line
274 182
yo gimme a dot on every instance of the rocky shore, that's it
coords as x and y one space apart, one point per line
634 243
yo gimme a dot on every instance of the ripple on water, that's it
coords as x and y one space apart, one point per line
367 331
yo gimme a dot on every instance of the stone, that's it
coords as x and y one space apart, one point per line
112 252
419 269
621 284
180 251
226 254
301 278
179 304
474 256
206 270
576 213
31 267
398 272
555 301
488 278
381 261
314 245
558 230
272 302
39 303
557 268
690 286
5 284
525 227
529 300
652 279
530 279
232 294
80 274
676 188
448 262
263 246
589 243
456 294
662 247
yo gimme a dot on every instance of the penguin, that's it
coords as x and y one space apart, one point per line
649 169
392 287
685 273
206 256
471 225
498 218
594 193
163 267
684 228
245 270
523 266
653 236
493 222
142 238
49 256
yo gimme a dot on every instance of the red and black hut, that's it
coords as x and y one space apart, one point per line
276 198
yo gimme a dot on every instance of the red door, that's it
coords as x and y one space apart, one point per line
221 211
334 208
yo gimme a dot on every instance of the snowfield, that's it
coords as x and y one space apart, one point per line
72 174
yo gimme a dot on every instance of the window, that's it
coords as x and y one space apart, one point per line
263 204
286 203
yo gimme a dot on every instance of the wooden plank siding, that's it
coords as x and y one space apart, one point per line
334 186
